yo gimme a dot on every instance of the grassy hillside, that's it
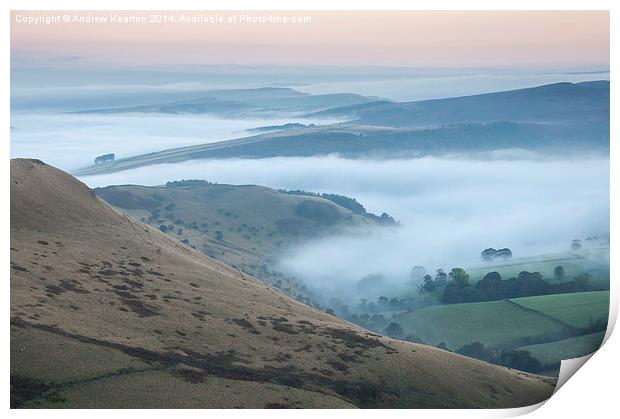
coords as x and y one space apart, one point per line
554 352
246 227
108 312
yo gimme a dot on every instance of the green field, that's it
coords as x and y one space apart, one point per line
594 261
577 309
554 352
500 323
494 323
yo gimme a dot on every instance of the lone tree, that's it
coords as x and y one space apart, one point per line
559 273
504 253
488 254
394 330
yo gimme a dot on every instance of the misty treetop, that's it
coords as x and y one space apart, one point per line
491 254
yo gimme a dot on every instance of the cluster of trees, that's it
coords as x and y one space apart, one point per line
166 228
491 254
375 322
104 158
590 241
430 284
385 218
385 304
187 182
345 202
458 289
492 287
512 358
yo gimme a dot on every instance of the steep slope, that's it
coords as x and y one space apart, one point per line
247 226
106 312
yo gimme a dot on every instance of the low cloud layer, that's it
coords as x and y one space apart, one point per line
450 208
71 141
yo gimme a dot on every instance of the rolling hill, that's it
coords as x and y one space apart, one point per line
108 312
246 227
556 326
240 102
559 103
559 119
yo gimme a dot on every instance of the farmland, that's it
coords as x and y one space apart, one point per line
594 261
554 352
494 323
577 309
553 326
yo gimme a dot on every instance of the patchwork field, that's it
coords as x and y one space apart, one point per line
494 323
576 309
506 323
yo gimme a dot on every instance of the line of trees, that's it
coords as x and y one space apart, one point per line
512 358
346 202
493 287
187 182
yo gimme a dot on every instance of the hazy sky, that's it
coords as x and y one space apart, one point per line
569 39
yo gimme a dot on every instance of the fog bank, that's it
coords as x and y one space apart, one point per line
450 208
72 141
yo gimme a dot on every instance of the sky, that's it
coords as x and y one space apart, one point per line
447 39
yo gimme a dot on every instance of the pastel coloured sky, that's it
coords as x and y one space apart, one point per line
410 38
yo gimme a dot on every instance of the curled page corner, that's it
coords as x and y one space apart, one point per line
521 411
569 367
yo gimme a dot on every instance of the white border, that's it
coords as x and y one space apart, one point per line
592 393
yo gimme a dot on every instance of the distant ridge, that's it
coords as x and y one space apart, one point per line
559 118
571 103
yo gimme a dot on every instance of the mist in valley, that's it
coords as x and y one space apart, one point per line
72 141
449 208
